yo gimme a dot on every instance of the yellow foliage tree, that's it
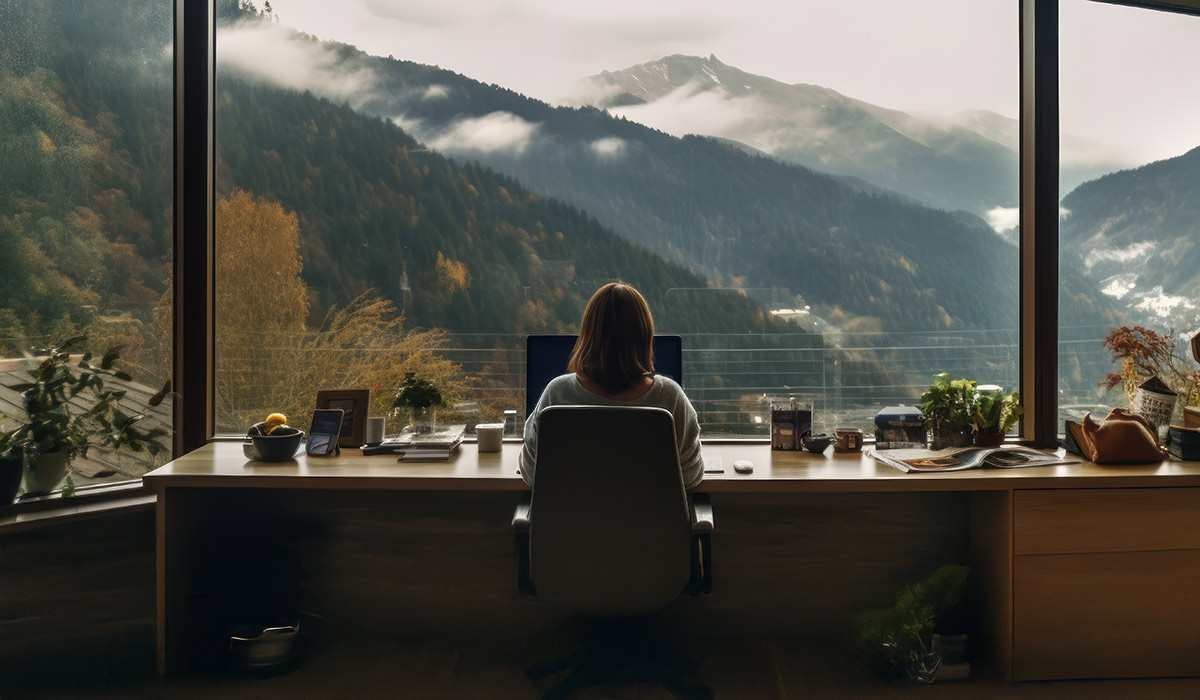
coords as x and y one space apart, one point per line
269 360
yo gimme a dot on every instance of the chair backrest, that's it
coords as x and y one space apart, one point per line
609 522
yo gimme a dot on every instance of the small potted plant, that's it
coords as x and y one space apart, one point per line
949 406
909 640
68 409
994 415
421 395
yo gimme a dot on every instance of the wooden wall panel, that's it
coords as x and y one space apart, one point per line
77 597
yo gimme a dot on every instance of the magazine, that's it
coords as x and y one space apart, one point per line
953 460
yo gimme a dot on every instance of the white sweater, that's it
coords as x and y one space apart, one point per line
565 390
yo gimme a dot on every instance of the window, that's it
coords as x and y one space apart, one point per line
85 201
414 189
1130 166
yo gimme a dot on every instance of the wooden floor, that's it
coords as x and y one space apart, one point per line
452 671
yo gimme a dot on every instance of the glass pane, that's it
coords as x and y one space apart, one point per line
85 213
413 188
1129 227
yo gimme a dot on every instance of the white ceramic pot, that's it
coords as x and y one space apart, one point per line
50 471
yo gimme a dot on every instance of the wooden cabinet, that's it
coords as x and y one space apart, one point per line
1106 583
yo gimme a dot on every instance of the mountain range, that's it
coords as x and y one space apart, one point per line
968 161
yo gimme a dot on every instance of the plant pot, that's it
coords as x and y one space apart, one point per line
989 439
47 473
11 471
942 441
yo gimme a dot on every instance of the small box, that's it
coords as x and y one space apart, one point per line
1191 414
1184 443
788 423
899 426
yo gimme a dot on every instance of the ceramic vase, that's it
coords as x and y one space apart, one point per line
48 472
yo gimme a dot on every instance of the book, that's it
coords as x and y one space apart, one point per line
958 459
420 447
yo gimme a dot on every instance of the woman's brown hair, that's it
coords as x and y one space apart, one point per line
616 338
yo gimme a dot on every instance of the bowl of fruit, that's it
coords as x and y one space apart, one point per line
272 440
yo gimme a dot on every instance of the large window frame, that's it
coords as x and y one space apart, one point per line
195 71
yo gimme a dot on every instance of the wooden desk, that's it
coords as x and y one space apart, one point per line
1055 551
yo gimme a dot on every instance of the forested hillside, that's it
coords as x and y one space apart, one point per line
1136 234
457 246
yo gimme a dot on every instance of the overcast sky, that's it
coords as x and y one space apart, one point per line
1129 76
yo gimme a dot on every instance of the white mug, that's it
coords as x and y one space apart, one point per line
489 436
374 433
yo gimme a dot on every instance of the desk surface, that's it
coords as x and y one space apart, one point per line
221 464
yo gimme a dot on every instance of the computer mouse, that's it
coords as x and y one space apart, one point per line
743 466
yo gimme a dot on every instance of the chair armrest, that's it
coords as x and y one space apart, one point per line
520 520
702 513
520 524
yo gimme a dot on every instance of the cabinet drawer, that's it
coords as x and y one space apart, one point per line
1105 520
1127 615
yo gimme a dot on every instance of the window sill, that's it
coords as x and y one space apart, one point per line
88 502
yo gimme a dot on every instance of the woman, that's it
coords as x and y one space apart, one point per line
613 365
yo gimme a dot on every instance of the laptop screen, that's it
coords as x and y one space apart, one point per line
546 357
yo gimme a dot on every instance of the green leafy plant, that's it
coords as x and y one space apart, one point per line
949 406
898 641
995 411
69 408
418 391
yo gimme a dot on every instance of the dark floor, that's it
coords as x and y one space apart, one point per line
445 670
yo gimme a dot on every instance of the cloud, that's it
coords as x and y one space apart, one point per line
1004 218
608 147
498 131
435 92
274 54
1121 255
713 112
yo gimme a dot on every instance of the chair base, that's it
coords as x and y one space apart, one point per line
620 652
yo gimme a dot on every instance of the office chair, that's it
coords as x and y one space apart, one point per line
609 532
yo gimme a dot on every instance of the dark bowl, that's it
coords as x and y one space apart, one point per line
816 443
272 448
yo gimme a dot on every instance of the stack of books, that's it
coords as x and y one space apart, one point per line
433 446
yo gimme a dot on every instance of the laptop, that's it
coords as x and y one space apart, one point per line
546 357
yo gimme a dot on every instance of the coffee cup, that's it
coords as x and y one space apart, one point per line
489 437
848 440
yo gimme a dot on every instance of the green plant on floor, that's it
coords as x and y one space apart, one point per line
949 406
898 641
996 412
69 408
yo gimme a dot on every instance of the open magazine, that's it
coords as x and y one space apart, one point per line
968 458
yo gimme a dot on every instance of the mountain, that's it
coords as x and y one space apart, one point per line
1136 235
944 165
967 161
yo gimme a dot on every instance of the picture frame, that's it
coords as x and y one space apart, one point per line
356 405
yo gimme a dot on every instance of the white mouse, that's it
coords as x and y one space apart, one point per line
743 466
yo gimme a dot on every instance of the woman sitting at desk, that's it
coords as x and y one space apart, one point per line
613 365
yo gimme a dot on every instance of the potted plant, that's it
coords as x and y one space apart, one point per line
906 639
421 395
69 408
994 415
949 406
